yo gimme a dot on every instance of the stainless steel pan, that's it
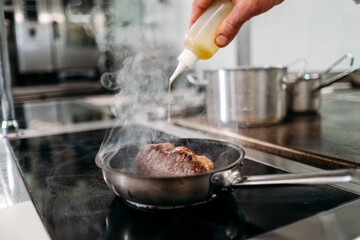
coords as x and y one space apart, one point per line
120 174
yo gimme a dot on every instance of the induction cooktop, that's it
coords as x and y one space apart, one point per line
74 202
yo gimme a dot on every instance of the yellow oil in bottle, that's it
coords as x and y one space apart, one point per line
201 51
200 39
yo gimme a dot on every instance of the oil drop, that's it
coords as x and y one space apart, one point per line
169 102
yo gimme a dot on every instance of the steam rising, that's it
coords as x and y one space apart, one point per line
143 62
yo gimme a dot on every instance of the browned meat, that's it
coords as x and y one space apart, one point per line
165 160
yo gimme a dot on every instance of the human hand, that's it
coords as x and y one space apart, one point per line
243 10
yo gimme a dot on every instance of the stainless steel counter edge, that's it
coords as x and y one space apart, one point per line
20 219
13 189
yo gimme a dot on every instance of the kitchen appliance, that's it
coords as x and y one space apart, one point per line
52 36
75 203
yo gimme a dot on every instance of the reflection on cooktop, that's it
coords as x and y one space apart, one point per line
75 203
47 114
219 219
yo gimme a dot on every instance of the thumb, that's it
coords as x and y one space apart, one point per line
243 10
230 26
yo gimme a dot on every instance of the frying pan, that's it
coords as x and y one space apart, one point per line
120 174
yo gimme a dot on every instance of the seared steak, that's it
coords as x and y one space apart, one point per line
166 160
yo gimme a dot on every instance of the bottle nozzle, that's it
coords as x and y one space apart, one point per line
179 69
187 59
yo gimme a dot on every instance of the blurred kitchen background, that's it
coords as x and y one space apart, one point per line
62 48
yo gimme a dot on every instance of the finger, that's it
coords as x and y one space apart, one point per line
242 12
198 7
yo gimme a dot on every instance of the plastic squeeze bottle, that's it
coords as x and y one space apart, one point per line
200 39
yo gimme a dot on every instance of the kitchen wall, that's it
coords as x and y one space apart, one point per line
319 30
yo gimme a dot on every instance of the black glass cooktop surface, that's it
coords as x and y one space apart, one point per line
75 203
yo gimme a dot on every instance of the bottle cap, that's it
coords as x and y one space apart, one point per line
187 60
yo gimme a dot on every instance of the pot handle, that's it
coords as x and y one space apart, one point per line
347 55
289 80
336 78
299 60
195 81
325 177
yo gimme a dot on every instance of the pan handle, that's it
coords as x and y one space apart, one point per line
326 177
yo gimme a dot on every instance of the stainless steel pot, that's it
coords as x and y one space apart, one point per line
245 96
305 91
121 176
